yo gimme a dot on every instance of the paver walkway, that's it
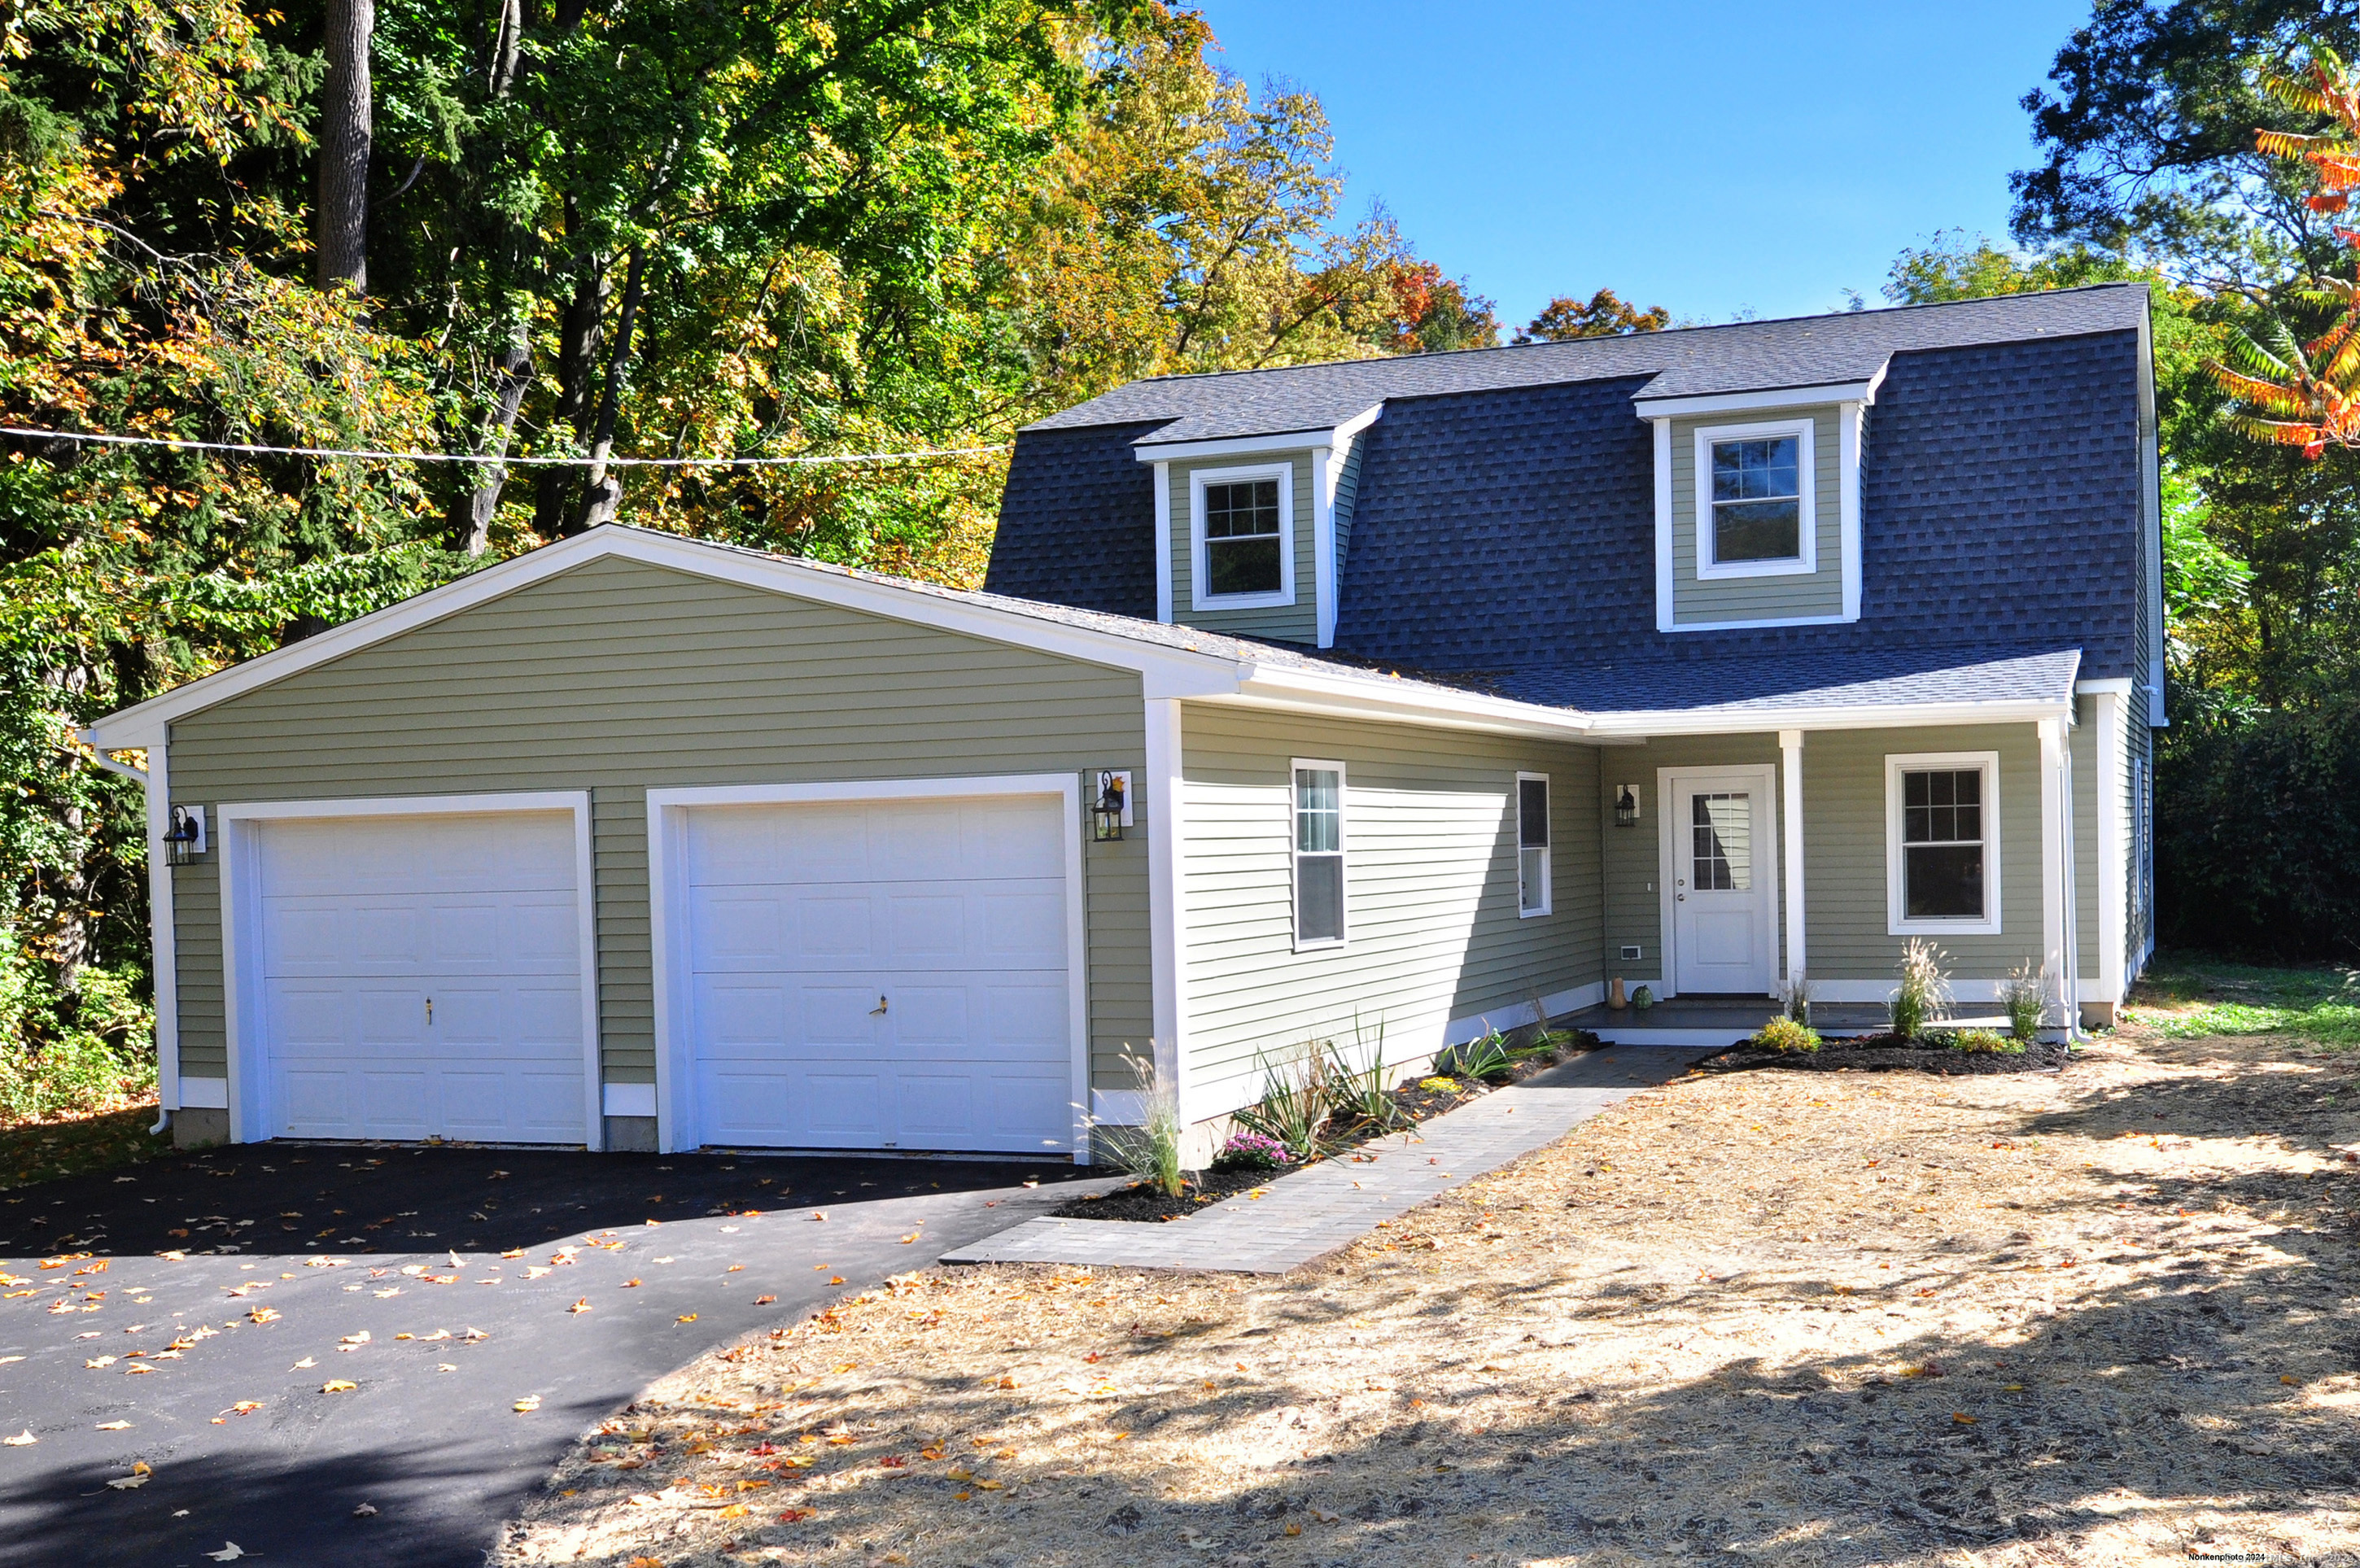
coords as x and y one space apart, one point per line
1314 1212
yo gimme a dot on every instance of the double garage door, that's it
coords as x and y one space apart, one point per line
853 974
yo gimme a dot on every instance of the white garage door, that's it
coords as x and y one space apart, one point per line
880 974
422 977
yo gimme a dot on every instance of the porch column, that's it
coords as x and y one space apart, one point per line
2056 913
1790 798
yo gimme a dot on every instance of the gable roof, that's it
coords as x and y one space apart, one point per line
1745 357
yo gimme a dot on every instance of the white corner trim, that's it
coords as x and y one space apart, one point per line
241 933
203 1094
1710 403
1282 473
630 1099
2056 756
1325 462
1790 814
1807 485
1163 543
2111 809
1850 418
678 1116
1166 912
1897 922
1665 619
164 943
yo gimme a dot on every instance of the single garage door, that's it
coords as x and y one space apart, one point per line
422 977
880 974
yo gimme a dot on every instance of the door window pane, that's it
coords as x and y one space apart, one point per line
1720 842
1241 537
1756 500
1942 845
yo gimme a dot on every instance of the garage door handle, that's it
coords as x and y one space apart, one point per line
430 1010
878 1010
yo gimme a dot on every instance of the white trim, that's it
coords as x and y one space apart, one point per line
1756 623
1755 721
1323 464
205 1095
1295 857
162 932
631 1100
1790 812
1806 562
2118 685
2114 837
1671 825
1706 404
677 1114
1849 419
2067 891
1547 849
1163 543
1897 864
1166 915
1516 1015
2056 756
241 938
1199 556
1666 601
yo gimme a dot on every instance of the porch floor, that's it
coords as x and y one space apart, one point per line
1725 1020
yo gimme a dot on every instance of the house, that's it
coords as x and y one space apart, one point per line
1380 702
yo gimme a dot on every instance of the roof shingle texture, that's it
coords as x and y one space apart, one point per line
1745 357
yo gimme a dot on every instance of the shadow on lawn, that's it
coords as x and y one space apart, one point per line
2177 1390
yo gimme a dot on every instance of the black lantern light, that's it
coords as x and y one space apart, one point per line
1627 806
185 839
1112 809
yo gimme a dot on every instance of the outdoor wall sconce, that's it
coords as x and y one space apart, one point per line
1111 812
185 841
1626 805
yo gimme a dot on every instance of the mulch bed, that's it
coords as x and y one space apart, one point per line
1891 1054
1414 1104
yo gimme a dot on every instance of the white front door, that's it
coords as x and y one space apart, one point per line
881 974
1723 881
422 977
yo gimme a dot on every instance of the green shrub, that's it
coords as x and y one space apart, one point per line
1783 1034
1296 1101
1924 990
1151 1151
1794 999
1365 1093
106 1062
1985 1040
1488 1058
2026 999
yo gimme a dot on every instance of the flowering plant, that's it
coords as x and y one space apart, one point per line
1252 1152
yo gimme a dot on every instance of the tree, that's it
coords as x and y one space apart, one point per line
1602 315
340 218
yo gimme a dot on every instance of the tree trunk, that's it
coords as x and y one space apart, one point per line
603 494
340 221
578 337
516 374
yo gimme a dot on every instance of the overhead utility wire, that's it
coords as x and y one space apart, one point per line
808 461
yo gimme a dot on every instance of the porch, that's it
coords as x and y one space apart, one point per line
1720 1021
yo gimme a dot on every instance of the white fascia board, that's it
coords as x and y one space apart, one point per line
1173 671
1276 441
1380 697
1776 398
1888 715
2117 685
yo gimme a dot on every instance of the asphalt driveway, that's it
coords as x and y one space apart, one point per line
191 1316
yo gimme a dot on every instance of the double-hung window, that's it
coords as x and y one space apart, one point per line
1318 810
1532 844
1244 527
1942 848
1755 505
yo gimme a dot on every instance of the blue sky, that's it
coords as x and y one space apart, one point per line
1703 155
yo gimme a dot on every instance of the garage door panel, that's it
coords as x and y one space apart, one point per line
365 919
952 910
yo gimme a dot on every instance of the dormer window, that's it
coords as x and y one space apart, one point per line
1242 527
1754 517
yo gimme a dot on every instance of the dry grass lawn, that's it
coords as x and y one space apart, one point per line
2107 1318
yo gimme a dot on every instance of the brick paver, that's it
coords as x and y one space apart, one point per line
1312 1212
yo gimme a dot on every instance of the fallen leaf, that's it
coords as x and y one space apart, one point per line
21 1439
360 1338
245 1407
527 1405
513 1252
819 1213
128 1483
581 1306
908 1238
307 1362
263 1316
1296 1528
685 1317
367 1510
764 1300
1961 1417
474 1334
115 1426
2287 1380
229 1553
838 1279
338 1385
629 1283
99 1361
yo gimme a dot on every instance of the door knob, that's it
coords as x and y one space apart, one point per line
1679 897
878 1010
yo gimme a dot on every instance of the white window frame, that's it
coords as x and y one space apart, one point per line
1295 857
1806 484
1548 863
1283 471
1896 896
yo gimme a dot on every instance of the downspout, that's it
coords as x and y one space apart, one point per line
107 760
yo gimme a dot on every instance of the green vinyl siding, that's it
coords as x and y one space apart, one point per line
1430 879
617 677
1702 601
1298 622
1633 854
1845 883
